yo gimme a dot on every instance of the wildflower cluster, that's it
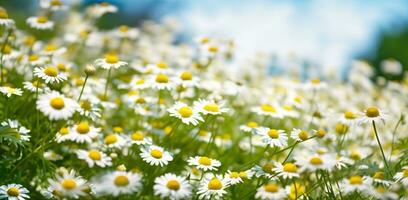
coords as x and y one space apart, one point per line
129 113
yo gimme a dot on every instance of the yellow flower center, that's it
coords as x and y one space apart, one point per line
185 111
57 103
316 161
290 167
315 81
356 180
162 65
121 181
268 167
271 188
140 81
214 184
252 124
234 175
355 155
111 58
42 19
140 100
13 191
50 47
33 58
94 155
303 135
86 105
6 49
186 76
211 107
213 49
173 185
202 133
341 128
268 108
372 112
3 14
379 175
83 128
380 189
349 115
104 4
117 129
162 78
56 3
204 161
62 66
51 71
123 28
63 131
111 139
156 153
405 173
69 184
273 133
137 136
243 175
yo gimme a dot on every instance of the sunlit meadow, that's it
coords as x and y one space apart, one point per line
128 113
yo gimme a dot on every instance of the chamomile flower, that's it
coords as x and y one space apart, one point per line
212 188
118 182
186 79
268 110
126 32
4 19
53 5
100 9
20 131
316 162
40 22
402 176
51 49
250 127
68 185
299 135
204 163
111 60
50 74
210 107
355 184
234 177
13 192
287 170
348 118
56 106
272 137
271 191
266 170
171 186
88 109
114 141
315 84
9 91
155 155
161 81
139 138
94 157
373 114
35 86
379 177
83 133
185 113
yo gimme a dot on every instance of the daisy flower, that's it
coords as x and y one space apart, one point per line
204 163
234 177
4 19
114 141
34 86
88 109
348 118
402 176
373 114
299 135
20 131
50 74
56 106
266 170
272 137
118 182
185 113
155 155
381 192
315 84
36 60
40 22
212 188
8 91
171 186
139 138
250 127
287 170
94 157
355 184
186 79
210 107
111 60
51 49
161 81
63 135
271 191
379 177
83 132
268 110
315 162
13 192
53 5
100 9
126 32
68 184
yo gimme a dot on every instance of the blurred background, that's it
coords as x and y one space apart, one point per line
325 34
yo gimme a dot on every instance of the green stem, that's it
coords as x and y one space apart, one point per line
379 144
107 83
2 54
83 86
